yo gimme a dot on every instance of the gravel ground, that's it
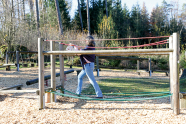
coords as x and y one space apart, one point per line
23 107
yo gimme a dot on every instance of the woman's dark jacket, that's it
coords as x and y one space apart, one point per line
90 57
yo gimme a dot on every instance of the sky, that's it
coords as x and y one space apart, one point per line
150 4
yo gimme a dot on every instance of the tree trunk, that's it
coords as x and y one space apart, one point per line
80 16
23 13
88 18
106 8
59 17
31 6
37 17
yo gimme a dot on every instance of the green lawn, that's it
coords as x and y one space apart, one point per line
134 85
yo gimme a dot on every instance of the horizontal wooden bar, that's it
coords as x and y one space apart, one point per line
122 58
17 91
110 52
23 52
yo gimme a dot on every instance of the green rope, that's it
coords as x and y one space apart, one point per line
149 94
109 99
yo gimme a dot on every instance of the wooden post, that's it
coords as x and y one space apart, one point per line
53 75
41 74
138 64
171 68
97 64
175 85
61 59
17 60
150 72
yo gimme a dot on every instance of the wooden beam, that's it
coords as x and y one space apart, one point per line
122 58
61 59
41 74
176 106
17 91
110 52
171 68
53 75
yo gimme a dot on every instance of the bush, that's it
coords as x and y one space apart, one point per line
182 60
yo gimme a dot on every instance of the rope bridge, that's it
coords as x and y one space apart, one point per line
120 96
172 51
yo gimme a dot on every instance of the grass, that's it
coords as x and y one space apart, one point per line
134 85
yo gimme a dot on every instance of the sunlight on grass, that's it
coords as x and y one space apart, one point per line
128 85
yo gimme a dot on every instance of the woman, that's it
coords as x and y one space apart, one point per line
87 62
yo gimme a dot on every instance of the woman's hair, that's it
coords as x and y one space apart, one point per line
90 41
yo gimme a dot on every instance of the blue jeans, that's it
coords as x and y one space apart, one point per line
89 68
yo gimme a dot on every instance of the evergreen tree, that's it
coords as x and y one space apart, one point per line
64 13
136 21
117 15
76 21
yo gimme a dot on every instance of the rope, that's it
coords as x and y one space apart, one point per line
167 94
150 44
109 99
115 39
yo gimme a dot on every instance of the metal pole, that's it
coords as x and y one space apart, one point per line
138 64
41 74
175 90
97 64
150 72
6 58
17 60
53 75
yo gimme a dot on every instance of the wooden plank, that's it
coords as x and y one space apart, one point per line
17 91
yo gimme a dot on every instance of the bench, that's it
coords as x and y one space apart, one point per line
165 71
7 66
18 87
141 71
30 82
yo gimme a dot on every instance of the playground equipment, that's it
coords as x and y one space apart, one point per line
30 82
173 53
18 87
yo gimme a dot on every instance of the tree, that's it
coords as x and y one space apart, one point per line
117 15
64 13
37 17
59 18
88 18
80 16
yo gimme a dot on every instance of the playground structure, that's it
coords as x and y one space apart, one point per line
173 53
17 58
